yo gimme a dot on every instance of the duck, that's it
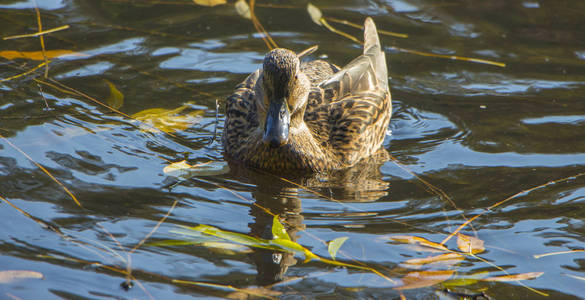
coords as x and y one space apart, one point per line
314 117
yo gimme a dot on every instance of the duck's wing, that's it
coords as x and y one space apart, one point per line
241 115
349 112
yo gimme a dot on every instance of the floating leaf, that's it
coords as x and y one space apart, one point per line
315 13
415 280
278 231
177 169
182 169
409 239
334 246
465 280
575 276
259 292
13 275
209 2
226 248
455 257
38 55
243 9
116 98
167 120
469 244
515 277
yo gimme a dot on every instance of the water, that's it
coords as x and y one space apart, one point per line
478 132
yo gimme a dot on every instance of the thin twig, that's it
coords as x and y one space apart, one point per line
36 33
41 38
43 169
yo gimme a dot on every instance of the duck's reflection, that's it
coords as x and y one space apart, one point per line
281 197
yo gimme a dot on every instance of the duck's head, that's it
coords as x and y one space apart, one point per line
286 89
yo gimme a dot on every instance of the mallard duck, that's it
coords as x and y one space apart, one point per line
310 116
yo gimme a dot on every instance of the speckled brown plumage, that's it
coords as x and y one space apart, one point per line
335 117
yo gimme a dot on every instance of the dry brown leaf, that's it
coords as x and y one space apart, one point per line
38 55
13 275
415 240
415 280
437 258
209 2
469 244
515 277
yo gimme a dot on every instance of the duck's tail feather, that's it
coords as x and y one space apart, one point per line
366 72
373 50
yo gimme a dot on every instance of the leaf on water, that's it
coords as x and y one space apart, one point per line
415 280
209 2
415 240
238 238
315 13
116 98
260 292
167 120
177 169
575 276
465 280
226 248
278 231
446 257
184 170
334 246
243 9
9 276
38 55
515 277
469 244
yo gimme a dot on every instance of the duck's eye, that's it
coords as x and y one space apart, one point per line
296 77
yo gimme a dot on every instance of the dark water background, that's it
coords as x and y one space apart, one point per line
478 132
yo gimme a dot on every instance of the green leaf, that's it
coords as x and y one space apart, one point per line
116 98
334 246
278 231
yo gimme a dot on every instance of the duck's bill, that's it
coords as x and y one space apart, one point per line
277 124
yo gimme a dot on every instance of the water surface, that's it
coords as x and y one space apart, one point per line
478 132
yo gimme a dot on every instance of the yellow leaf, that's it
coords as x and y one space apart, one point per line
38 55
209 2
167 120
177 169
409 239
433 259
315 13
13 275
415 280
515 277
334 245
469 244
243 9
116 98
278 231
